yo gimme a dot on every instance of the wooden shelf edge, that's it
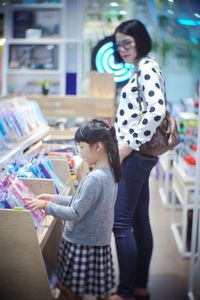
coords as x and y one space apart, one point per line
45 230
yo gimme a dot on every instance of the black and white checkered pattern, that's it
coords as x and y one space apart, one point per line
86 270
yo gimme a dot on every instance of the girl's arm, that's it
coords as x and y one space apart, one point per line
40 202
62 200
83 200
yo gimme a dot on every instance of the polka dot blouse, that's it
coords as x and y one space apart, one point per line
131 126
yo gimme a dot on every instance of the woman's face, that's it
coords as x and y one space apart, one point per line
126 47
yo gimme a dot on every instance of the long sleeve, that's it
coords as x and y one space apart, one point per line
62 200
152 90
131 126
83 200
89 218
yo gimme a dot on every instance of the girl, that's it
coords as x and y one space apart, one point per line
84 258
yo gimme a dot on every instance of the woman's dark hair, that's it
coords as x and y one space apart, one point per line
137 30
97 130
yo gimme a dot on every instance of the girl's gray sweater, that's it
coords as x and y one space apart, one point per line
89 213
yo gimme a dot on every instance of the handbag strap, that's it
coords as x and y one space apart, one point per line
142 99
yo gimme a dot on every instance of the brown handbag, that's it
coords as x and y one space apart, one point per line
166 136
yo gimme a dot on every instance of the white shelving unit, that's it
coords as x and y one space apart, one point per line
183 187
194 272
166 172
25 80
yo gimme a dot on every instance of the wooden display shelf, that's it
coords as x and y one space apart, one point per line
24 252
45 230
23 274
71 107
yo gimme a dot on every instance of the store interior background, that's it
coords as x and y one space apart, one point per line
174 26
176 44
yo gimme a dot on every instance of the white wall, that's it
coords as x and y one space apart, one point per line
180 78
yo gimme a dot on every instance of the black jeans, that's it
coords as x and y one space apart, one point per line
132 230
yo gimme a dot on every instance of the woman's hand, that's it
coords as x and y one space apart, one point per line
46 197
124 151
34 203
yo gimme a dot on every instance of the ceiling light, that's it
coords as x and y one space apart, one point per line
123 12
171 0
197 15
114 4
171 12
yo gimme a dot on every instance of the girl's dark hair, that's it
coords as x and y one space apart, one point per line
138 31
97 130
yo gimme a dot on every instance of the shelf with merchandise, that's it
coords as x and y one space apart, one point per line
21 125
33 48
33 57
36 20
23 144
21 242
183 187
42 24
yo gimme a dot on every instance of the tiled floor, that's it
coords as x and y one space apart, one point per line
169 272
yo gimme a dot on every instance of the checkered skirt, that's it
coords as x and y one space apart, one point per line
86 270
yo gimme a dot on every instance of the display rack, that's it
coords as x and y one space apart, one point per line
27 256
23 274
166 171
183 187
34 53
23 144
194 271
24 252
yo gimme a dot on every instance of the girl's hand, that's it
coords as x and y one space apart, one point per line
124 151
46 197
34 203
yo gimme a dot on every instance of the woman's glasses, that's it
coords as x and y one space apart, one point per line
125 44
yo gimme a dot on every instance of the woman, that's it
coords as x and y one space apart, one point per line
132 228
